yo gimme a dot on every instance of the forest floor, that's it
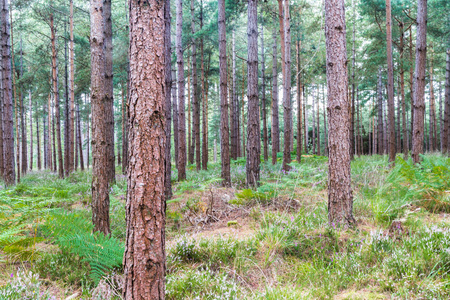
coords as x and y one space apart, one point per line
235 243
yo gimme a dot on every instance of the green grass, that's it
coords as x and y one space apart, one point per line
400 247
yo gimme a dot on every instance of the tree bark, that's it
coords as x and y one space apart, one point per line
224 128
433 131
204 101
402 90
30 105
253 125
299 105
446 131
38 143
264 114
234 105
80 145
287 89
16 108
196 102
190 138
100 130
352 124
318 122
167 99
340 197
419 81
144 258
181 102
380 122
23 125
242 107
71 89
56 97
390 87
275 120
175 116
109 90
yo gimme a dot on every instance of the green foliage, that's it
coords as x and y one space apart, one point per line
73 234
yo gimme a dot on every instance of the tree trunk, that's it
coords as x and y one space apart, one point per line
224 128
390 87
46 147
204 101
196 102
234 105
419 80
313 124
56 97
16 108
124 131
71 91
411 84
67 159
31 129
299 105
80 145
23 125
287 89
175 116
446 131
54 167
39 162
100 130
318 123
305 118
144 258
167 100
433 131
325 120
275 120
352 124
191 144
402 91
264 114
242 106
340 197
2 138
109 91
380 114
253 126
88 142
181 102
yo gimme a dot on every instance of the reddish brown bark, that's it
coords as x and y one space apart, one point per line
299 104
419 81
181 101
263 102
340 197
99 106
224 127
287 89
275 121
167 99
144 258
8 126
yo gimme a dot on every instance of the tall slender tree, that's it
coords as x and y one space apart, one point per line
419 81
287 88
196 97
224 127
168 98
181 103
263 102
99 106
253 126
340 197
144 258
275 123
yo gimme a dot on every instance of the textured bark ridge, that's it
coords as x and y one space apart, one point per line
419 81
275 122
9 175
224 127
253 126
100 179
181 101
144 258
168 97
340 197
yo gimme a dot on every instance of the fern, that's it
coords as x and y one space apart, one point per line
73 233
